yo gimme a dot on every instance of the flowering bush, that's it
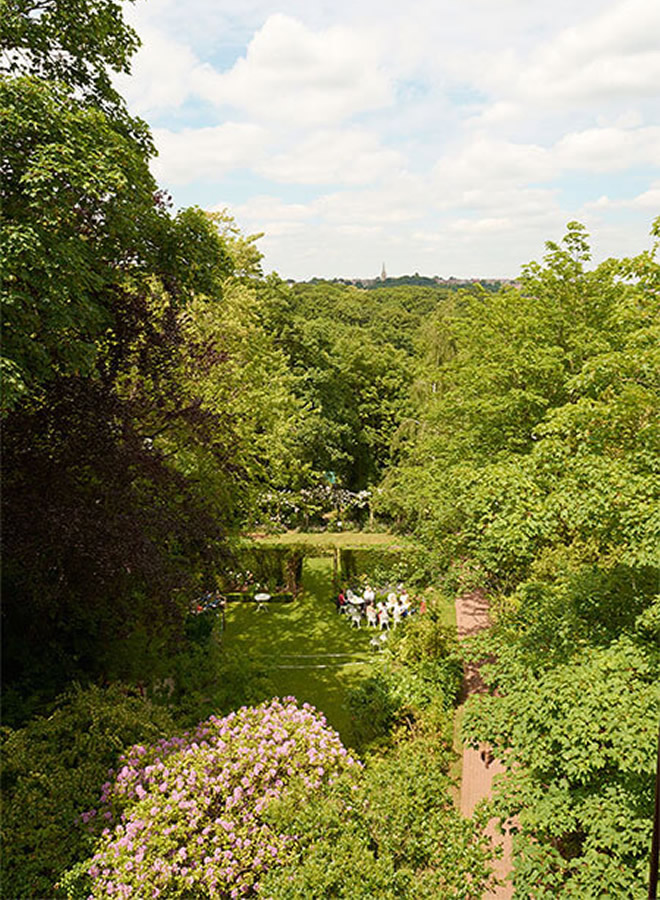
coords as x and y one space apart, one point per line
185 816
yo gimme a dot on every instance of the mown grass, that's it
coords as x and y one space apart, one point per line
328 540
292 641
306 649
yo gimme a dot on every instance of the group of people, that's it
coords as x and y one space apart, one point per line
379 613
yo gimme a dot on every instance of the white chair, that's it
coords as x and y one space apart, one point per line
384 620
355 618
372 616
397 615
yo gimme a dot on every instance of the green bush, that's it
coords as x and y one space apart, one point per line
52 772
204 679
421 668
393 835
373 710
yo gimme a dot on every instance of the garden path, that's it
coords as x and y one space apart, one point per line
477 778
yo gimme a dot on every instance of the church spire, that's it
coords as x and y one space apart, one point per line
383 273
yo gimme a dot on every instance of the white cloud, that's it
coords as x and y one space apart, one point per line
485 172
337 156
161 74
297 76
649 199
266 207
615 53
608 58
492 224
484 164
366 105
398 200
272 215
192 154
609 149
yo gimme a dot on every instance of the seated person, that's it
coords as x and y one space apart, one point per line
369 595
340 602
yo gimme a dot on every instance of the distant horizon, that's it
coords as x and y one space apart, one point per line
377 278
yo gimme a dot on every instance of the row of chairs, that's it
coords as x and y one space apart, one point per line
375 618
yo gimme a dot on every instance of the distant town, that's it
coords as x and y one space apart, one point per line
384 280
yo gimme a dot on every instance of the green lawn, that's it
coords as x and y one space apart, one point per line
328 540
308 650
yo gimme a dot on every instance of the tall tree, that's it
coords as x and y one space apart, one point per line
536 457
141 396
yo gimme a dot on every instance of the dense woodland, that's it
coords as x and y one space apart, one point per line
162 395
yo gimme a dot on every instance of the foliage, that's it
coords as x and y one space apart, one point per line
373 710
77 202
579 737
187 816
51 773
81 43
384 569
534 469
143 401
205 679
159 392
419 669
393 834
351 353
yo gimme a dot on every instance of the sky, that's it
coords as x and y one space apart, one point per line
445 137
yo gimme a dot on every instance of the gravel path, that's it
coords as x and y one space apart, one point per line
478 769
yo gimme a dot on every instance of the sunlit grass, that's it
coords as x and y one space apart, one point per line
328 540
292 641
306 648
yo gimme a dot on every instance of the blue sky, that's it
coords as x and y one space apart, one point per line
444 137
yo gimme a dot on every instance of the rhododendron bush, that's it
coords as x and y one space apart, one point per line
185 817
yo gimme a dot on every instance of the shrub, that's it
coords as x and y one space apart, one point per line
205 679
51 773
421 667
392 834
186 817
373 710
